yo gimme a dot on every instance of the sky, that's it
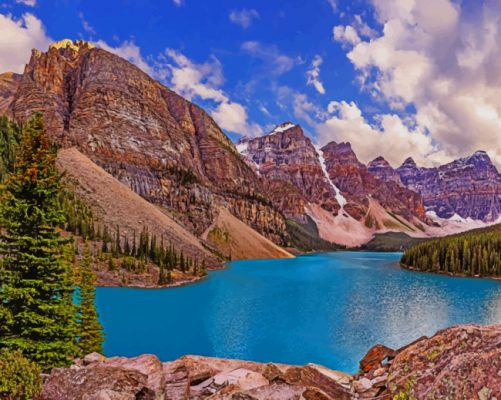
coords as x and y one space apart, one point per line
396 78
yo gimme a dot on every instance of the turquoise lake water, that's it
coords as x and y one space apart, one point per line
324 308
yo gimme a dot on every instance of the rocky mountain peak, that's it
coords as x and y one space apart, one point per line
163 147
285 126
340 153
383 170
75 45
409 163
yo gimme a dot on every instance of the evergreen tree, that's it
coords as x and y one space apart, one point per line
37 315
90 332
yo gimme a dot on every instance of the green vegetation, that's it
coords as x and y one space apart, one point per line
390 241
474 253
89 331
20 378
9 138
39 317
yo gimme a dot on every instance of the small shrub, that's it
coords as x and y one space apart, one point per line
20 378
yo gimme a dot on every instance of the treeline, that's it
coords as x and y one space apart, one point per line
474 253
130 253
47 310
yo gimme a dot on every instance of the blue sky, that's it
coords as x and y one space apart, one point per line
355 71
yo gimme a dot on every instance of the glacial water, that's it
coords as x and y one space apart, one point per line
323 308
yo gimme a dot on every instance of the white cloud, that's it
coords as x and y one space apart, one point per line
277 62
178 3
445 62
196 80
391 137
233 117
203 81
18 38
346 35
85 25
243 17
313 75
29 3
131 52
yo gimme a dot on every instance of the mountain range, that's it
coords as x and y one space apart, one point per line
117 125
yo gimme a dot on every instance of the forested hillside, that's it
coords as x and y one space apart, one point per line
474 253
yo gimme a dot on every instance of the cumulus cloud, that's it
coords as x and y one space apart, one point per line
313 75
18 37
443 61
276 62
29 3
131 52
203 81
391 137
233 117
346 35
243 17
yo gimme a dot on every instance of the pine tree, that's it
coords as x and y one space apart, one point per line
37 315
90 332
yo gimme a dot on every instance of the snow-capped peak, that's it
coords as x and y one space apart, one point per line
282 127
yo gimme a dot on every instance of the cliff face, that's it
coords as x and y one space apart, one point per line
9 82
163 147
382 169
358 184
287 155
469 187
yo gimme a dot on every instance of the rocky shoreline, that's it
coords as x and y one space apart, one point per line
463 361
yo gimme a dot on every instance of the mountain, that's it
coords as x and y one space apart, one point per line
164 148
360 185
9 82
467 188
346 201
287 155
172 153
382 170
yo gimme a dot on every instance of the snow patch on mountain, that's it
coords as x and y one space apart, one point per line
339 197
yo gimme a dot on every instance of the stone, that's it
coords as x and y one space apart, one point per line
92 358
375 357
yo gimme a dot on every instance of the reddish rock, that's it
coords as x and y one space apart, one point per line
469 187
163 147
9 82
375 357
287 155
358 184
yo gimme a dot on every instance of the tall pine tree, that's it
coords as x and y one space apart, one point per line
90 335
37 315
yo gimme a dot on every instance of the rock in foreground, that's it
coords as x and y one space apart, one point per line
459 362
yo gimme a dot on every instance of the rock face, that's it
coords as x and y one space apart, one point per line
461 362
9 82
358 184
469 187
163 147
287 155
382 169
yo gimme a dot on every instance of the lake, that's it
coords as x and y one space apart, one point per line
327 308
